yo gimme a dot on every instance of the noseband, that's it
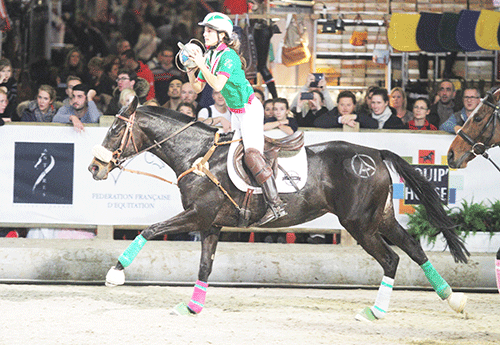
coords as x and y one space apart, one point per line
479 148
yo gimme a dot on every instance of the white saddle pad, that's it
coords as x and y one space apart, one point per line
295 166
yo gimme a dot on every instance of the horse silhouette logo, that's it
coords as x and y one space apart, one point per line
43 173
426 156
47 163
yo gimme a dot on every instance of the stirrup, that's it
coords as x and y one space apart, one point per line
273 213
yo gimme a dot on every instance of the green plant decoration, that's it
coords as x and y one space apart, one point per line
468 218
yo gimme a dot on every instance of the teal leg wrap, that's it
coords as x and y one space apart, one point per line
131 252
438 283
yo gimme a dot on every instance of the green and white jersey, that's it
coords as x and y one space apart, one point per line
237 91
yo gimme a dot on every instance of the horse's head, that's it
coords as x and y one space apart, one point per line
118 144
480 132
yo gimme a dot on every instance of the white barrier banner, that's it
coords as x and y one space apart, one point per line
45 178
123 198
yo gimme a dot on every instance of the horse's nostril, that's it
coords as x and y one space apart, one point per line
93 168
451 156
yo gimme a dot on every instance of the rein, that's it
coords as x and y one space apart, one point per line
481 148
199 167
130 122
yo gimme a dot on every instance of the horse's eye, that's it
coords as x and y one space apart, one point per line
478 118
114 129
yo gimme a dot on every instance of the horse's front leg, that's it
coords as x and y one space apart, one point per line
209 240
185 221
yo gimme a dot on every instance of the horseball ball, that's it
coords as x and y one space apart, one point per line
185 51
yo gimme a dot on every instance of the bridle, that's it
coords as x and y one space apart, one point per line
199 167
479 148
115 157
128 135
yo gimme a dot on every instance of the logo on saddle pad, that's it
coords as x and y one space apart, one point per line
291 178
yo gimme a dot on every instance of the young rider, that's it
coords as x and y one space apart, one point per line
222 69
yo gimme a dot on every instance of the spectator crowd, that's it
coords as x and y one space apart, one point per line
133 55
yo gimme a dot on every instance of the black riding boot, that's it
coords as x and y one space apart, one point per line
275 207
263 174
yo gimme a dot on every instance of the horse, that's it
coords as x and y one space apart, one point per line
479 133
362 202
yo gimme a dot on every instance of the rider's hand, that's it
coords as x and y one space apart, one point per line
197 57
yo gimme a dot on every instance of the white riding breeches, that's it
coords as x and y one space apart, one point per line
251 125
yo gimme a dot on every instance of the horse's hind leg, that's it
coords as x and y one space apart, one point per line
209 240
401 238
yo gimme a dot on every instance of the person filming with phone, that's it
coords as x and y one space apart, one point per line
314 103
314 81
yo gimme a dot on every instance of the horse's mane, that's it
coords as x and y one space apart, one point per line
165 114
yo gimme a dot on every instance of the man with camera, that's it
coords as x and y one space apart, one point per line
314 102
315 81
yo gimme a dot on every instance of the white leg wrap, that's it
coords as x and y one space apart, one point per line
381 305
457 301
115 277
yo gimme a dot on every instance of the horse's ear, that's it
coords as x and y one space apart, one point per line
131 107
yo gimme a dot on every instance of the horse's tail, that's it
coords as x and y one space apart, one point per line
432 203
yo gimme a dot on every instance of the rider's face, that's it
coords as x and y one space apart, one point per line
210 36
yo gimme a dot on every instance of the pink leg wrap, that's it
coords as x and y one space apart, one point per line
497 268
198 298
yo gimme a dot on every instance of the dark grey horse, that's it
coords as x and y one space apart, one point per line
360 197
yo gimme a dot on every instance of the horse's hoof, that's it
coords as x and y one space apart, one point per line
457 301
115 277
181 309
365 315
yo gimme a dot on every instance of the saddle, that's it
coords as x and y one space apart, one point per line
288 146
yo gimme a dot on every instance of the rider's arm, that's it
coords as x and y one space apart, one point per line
217 82
197 85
